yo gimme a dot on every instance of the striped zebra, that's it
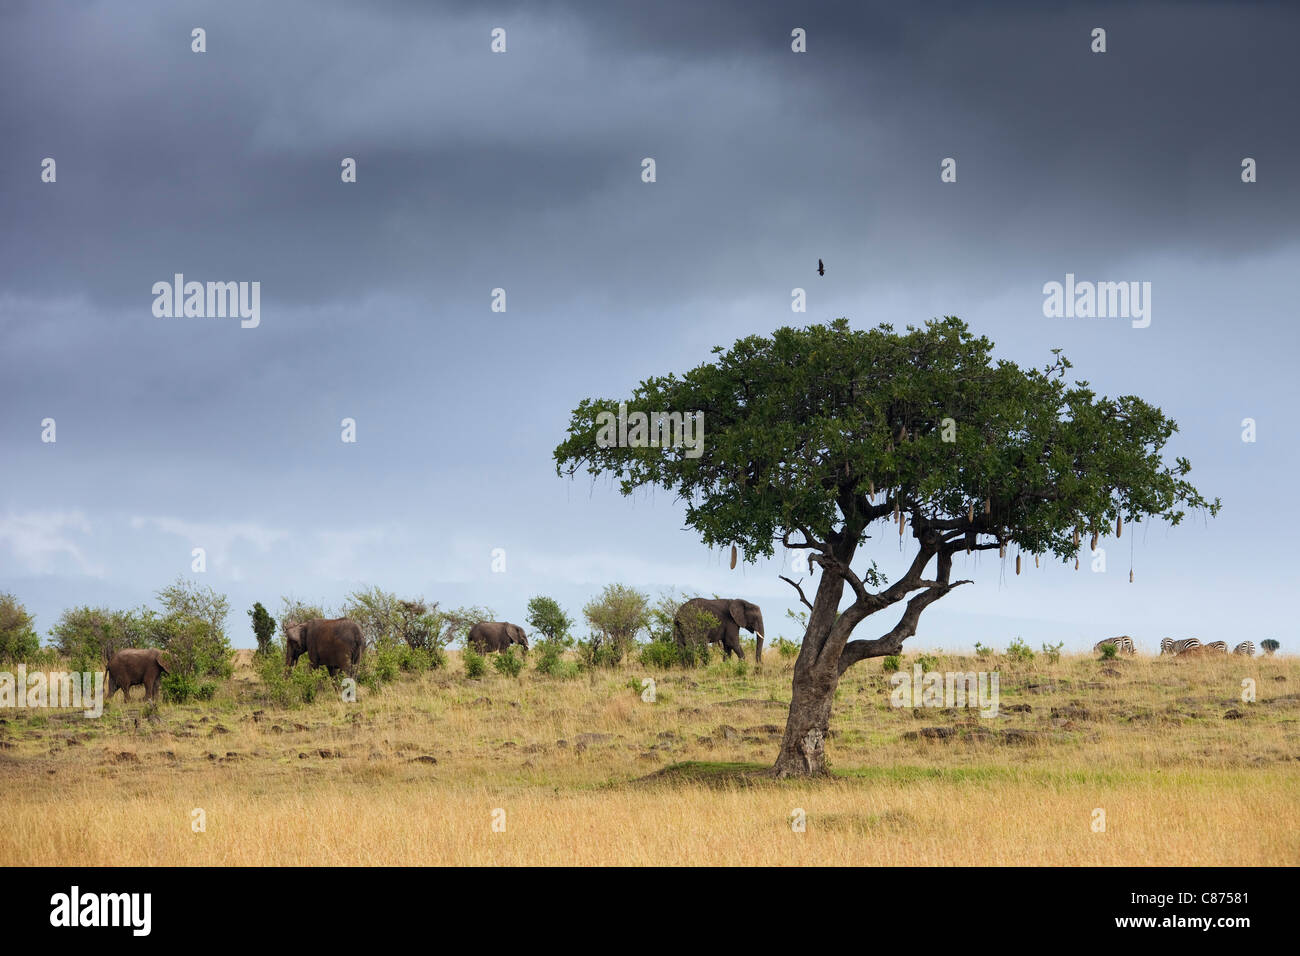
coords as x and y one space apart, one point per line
1170 646
1123 645
1245 647
1217 647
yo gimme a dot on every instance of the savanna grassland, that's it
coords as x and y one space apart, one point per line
583 771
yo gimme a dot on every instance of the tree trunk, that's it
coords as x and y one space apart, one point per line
803 750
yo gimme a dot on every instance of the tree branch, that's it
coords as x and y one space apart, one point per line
802 598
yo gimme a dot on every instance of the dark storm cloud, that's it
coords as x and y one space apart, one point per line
526 164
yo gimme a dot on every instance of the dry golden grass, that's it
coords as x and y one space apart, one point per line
333 783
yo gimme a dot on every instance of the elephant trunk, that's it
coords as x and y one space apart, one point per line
758 648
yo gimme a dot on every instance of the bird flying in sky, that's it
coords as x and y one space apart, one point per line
821 269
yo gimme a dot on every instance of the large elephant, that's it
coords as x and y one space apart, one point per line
335 644
488 636
135 665
732 614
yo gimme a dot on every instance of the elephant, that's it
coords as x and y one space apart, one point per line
335 644
488 636
136 665
732 614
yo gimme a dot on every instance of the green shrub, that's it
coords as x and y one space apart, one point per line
598 652
192 628
308 682
179 688
892 664
263 627
546 617
285 687
87 637
786 649
660 655
508 663
1019 652
982 651
1269 646
1108 652
386 662
18 639
1053 651
617 617
475 663
550 660
547 657
928 662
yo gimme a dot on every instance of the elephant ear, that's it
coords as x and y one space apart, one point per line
165 661
737 611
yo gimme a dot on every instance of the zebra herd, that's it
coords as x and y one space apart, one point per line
1170 646
1124 645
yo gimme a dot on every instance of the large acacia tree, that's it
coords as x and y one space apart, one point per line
813 437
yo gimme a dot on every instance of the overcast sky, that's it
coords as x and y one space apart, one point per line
522 170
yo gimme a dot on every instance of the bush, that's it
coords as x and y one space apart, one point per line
1053 651
192 628
546 617
659 654
1269 646
263 627
617 617
377 612
308 682
1019 652
928 662
892 664
549 656
508 663
475 663
982 651
786 649
179 688
289 688
386 662
596 652
87 637
193 644
18 639
1108 652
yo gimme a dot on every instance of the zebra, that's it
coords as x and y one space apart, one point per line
1245 647
1217 647
1170 646
1123 645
